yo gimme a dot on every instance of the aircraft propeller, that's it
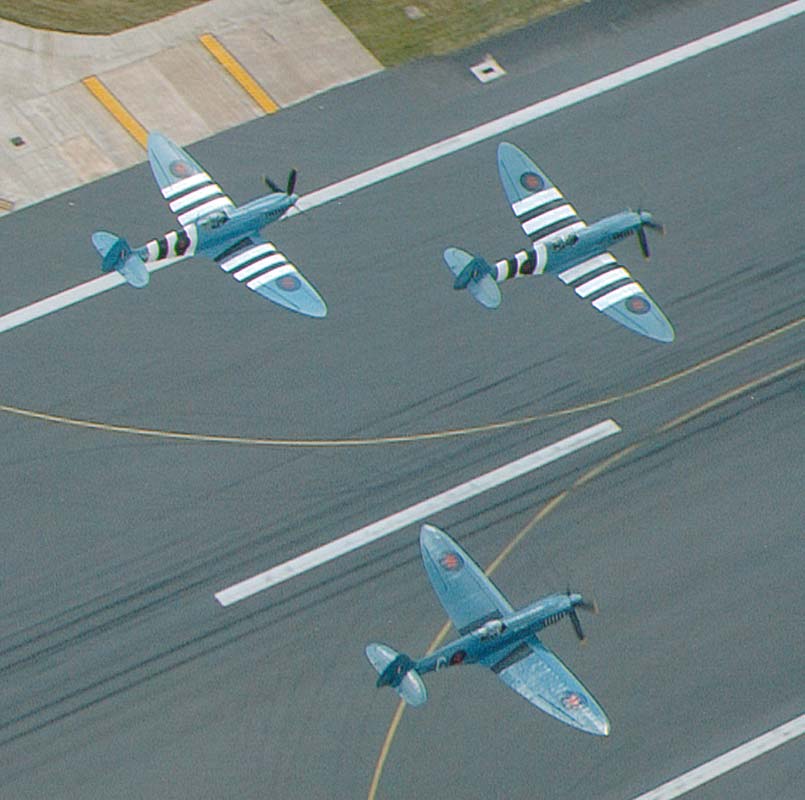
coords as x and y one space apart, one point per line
646 219
290 186
592 607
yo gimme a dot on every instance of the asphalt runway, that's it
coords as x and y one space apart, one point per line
121 675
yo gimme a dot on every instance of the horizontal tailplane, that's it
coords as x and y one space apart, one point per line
475 275
398 671
117 255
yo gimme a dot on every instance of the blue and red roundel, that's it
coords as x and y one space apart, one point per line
531 181
181 169
638 305
451 561
572 701
457 657
288 283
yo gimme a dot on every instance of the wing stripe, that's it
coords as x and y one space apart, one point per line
591 264
558 231
272 274
247 255
192 198
184 184
600 281
533 225
616 295
206 208
536 200
273 260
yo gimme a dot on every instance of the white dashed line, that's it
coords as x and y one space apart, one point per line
415 513
730 760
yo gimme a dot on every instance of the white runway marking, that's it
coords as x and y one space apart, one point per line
415 513
69 297
463 140
729 761
551 105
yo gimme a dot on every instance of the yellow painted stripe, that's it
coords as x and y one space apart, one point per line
116 109
238 72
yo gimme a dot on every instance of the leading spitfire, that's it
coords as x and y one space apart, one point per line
213 226
494 634
565 246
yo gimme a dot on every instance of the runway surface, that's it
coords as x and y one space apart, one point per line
124 678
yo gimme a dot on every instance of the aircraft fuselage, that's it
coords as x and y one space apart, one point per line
499 633
590 241
219 231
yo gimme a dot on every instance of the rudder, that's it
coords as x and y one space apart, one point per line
398 671
117 255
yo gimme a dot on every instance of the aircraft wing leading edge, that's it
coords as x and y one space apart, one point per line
467 595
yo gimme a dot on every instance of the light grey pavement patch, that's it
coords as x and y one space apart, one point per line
728 761
465 139
415 513
164 76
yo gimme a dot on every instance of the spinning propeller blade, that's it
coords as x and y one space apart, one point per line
577 626
586 605
271 185
290 186
647 220
641 237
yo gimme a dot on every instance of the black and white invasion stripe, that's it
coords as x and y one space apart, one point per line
194 197
524 262
258 265
601 280
546 214
173 244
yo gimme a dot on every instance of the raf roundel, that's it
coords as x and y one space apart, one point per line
288 283
531 181
451 561
181 169
573 700
638 305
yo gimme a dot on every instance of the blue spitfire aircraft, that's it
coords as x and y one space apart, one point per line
492 633
212 225
565 246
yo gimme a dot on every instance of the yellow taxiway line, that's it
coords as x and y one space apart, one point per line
238 72
407 438
116 109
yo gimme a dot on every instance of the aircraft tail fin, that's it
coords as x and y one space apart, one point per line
398 671
475 275
118 255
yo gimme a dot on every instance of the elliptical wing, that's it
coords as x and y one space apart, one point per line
541 209
191 193
269 273
536 673
468 596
